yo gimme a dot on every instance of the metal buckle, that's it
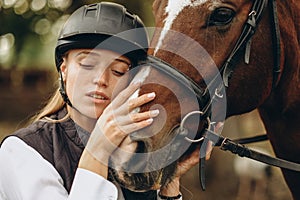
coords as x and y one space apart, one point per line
182 129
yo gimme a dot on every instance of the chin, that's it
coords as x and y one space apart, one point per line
91 112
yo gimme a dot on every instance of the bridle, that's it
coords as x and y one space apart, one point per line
244 41
242 44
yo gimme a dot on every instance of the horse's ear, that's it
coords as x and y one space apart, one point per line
157 8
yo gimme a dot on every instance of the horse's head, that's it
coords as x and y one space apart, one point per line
184 109
196 37
217 25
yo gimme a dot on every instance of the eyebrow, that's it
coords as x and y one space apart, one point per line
87 53
96 54
122 60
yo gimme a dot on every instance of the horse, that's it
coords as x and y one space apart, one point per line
192 87
260 71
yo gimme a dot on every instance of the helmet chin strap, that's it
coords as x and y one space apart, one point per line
62 90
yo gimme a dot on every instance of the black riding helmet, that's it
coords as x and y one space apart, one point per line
102 25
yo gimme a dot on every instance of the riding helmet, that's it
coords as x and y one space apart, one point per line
103 25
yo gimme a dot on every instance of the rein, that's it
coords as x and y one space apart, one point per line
239 149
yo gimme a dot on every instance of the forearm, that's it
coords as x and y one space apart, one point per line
89 162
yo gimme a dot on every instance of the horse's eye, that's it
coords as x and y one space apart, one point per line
221 16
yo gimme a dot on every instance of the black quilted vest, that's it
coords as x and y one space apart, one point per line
60 144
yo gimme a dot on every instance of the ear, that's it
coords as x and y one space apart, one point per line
63 69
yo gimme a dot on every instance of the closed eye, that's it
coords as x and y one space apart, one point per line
117 73
86 66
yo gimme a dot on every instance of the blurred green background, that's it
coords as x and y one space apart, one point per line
29 28
28 33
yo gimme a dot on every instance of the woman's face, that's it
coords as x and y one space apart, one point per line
90 77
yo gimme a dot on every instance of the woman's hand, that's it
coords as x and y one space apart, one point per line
173 188
117 121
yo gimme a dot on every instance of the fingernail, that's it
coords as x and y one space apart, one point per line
149 121
154 112
151 95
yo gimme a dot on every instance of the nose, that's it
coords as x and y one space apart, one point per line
102 78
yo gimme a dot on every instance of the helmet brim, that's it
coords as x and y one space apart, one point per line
133 51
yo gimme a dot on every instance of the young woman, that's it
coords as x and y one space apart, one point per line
64 153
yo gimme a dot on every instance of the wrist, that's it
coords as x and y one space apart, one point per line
172 189
88 162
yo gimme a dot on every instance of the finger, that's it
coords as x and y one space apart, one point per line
209 149
136 117
130 128
141 100
123 96
188 163
194 159
132 104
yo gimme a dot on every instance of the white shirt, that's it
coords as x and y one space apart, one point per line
26 175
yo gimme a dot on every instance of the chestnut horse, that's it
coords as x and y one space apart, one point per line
250 76
205 40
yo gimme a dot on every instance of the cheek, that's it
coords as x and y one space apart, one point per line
118 84
75 81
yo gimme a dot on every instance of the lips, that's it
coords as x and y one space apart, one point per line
98 96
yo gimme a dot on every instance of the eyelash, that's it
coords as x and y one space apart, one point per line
115 72
86 66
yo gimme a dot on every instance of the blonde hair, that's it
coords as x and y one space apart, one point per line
55 104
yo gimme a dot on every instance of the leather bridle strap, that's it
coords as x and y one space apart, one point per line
253 139
182 79
244 43
276 42
244 40
228 145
